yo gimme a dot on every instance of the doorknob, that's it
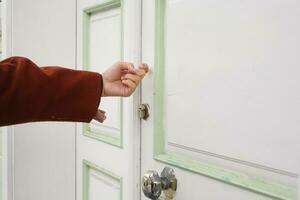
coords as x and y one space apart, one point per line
153 184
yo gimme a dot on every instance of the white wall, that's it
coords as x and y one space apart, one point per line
44 153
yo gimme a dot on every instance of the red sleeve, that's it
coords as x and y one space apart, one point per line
29 93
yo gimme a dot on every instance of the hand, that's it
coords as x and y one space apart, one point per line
122 79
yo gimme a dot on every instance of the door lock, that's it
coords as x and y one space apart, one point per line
144 111
153 184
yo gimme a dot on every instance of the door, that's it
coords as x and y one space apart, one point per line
107 154
43 159
223 96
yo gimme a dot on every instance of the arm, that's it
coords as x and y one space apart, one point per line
29 93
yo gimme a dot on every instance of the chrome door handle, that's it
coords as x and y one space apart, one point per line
153 184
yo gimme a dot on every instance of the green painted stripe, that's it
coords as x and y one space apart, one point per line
101 136
159 74
104 6
253 183
256 184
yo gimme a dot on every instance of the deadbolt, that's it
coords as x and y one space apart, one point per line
144 111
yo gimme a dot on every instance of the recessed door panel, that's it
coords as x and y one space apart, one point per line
103 46
231 76
98 182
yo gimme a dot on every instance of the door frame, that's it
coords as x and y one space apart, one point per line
7 132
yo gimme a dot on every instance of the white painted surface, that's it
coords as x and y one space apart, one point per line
107 184
236 73
5 165
44 161
105 48
232 73
104 51
44 153
6 138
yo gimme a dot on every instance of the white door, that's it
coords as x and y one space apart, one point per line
43 154
224 97
107 154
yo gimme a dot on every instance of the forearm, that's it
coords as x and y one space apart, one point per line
29 93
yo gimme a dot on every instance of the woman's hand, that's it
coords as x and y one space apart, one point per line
122 79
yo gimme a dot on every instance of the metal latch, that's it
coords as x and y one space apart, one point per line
144 111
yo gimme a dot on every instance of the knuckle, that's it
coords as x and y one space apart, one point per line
128 64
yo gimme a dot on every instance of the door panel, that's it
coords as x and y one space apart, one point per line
43 153
244 69
44 161
103 45
100 183
107 154
224 100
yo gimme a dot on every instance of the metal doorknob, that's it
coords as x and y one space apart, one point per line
153 184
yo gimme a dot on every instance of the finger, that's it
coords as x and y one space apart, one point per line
126 66
135 78
140 72
144 67
130 84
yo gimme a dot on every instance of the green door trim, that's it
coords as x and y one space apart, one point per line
87 131
86 166
257 184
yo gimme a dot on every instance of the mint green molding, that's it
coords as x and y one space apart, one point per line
256 184
101 135
86 166
104 136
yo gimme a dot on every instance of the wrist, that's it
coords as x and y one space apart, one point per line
103 84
